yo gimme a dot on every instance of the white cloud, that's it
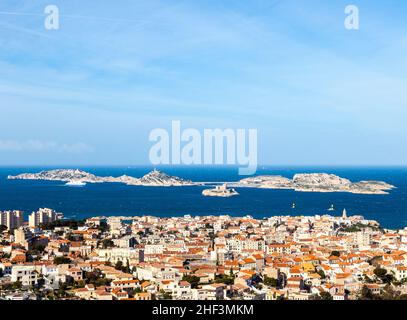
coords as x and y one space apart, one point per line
43 146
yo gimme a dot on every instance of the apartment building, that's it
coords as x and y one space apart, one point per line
11 219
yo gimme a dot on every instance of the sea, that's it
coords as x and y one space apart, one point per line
114 199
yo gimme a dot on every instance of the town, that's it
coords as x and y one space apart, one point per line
318 257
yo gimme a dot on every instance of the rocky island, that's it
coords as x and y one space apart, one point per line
154 178
304 182
316 182
220 191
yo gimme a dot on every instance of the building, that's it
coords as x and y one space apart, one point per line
11 219
43 216
27 275
125 242
23 236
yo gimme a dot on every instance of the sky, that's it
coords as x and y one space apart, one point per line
90 92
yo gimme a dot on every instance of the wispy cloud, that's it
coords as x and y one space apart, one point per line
289 69
43 146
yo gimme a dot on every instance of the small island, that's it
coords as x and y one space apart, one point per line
220 191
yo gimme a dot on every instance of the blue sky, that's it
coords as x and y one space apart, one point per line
90 92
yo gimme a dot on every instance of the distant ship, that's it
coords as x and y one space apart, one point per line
331 208
75 183
293 206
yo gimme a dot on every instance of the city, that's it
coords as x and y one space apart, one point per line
200 258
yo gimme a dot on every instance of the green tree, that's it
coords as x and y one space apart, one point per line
382 274
72 224
326 296
118 265
103 226
38 247
166 295
16 285
322 274
62 260
335 253
226 279
272 282
366 294
107 243
193 280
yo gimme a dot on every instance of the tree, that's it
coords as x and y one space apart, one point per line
91 277
118 265
166 295
17 285
272 282
38 247
103 226
3 228
382 274
321 273
225 279
335 253
62 260
107 243
366 294
72 224
326 296
322 296
193 280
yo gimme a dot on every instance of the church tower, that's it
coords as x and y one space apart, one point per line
344 215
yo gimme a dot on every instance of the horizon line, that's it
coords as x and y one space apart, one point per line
259 167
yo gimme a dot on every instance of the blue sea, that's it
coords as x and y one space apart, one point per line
118 199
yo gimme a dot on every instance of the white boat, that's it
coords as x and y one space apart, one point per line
331 208
75 183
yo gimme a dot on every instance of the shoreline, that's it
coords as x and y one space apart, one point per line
221 216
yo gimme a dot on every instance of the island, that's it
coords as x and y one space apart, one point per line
220 191
154 178
303 182
316 182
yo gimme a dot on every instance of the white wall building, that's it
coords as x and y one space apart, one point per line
27 275
43 215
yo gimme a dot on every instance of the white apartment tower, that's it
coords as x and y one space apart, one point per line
42 216
11 219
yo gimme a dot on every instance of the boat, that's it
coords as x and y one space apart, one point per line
331 208
75 183
293 206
